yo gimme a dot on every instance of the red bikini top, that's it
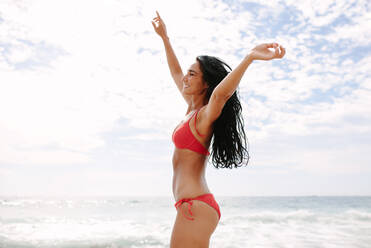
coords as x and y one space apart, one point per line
183 138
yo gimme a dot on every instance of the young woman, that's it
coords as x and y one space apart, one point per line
214 111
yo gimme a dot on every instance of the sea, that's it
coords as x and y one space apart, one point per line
133 222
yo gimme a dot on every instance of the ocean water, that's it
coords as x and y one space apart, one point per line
120 222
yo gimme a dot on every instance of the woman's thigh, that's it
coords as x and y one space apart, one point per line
194 233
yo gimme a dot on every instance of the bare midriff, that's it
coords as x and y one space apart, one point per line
189 174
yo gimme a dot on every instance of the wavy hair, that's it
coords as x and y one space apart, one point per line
229 139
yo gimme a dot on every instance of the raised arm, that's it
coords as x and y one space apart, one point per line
172 61
228 85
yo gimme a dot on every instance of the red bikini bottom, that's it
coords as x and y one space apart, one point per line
207 198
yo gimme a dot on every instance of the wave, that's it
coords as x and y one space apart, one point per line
124 242
304 216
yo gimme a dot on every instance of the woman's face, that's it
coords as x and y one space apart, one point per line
192 81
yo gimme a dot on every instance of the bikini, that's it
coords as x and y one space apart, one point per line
183 138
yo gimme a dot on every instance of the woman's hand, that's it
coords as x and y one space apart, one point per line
261 52
160 28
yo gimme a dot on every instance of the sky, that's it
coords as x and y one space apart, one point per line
88 105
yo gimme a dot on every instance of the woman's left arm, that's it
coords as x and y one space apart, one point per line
228 85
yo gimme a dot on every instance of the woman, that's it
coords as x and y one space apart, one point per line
213 111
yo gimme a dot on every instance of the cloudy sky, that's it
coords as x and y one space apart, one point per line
88 106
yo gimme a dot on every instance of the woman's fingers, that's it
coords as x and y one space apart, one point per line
272 45
158 18
279 53
276 51
283 51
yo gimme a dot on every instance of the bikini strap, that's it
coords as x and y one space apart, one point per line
188 200
196 127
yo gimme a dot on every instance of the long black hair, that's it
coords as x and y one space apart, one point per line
229 139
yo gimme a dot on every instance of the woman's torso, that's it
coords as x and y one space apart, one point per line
189 166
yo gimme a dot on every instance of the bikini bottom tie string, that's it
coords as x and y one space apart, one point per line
187 200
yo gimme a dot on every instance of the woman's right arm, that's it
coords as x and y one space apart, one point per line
172 61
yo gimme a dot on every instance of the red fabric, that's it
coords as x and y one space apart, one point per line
207 198
183 138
